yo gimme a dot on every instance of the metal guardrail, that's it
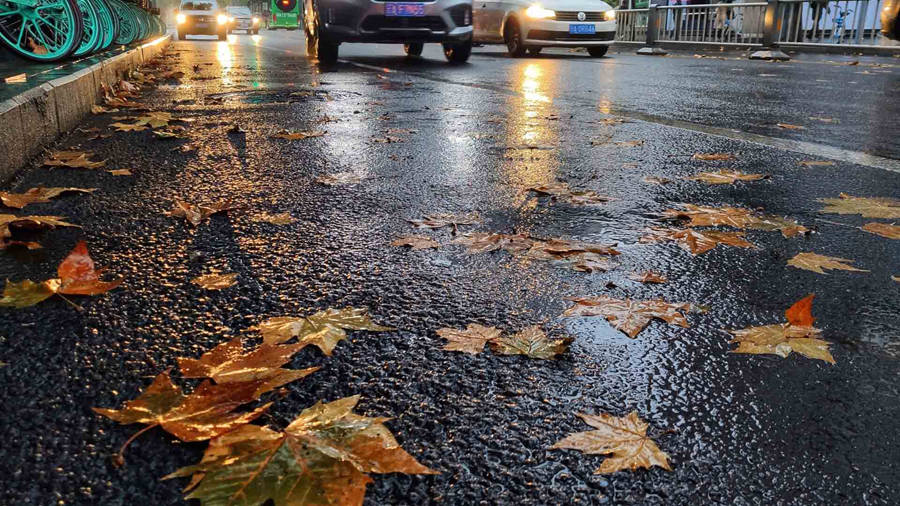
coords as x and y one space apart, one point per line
794 22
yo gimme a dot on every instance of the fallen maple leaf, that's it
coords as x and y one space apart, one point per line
204 414
625 439
788 126
120 172
471 340
36 195
561 191
387 139
815 262
868 207
227 363
581 256
156 119
128 127
10 222
215 281
339 178
696 241
629 144
725 177
883 229
710 157
196 214
274 219
532 342
629 316
297 136
797 335
415 242
656 180
323 329
166 134
737 217
322 457
73 160
816 163
435 221
648 277
99 109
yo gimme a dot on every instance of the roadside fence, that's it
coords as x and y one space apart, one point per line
849 23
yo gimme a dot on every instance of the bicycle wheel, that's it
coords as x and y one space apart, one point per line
128 28
108 22
90 28
47 31
143 27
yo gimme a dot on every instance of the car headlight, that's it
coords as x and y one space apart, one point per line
255 20
231 19
222 19
181 18
538 12
609 15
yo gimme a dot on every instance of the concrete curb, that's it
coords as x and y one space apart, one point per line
37 117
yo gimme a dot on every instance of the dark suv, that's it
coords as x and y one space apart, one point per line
329 22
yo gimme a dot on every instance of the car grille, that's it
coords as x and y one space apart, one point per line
573 16
375 23
566 36
203 19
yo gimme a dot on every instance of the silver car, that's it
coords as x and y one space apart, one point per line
328 23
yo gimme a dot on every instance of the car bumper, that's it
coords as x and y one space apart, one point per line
241 24
196 26
365 21
547 32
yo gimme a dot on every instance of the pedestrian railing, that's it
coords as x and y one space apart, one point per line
792 22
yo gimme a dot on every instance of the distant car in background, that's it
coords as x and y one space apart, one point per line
201 17
890 26
240 18
524 25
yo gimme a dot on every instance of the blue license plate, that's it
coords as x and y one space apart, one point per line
404 10
202 25
582 29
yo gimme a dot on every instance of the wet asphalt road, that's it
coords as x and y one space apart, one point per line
739 429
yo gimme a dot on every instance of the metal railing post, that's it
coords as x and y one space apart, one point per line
771 34
653 25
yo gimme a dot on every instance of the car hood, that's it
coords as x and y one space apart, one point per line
200 13
573 5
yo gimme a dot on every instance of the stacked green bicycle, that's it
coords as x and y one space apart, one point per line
50 30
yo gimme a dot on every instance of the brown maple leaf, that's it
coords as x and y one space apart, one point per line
73 159
725 177
204 414
227 363
696 241
629 316
416 242
788 126
868 207
797 335
215 281
298 136
322 457
815 262
128 127
625 439
471 340
10 223
581 256
323 329
713 157
197 214
883 229
706 216
77 276
648 277
435 221
561 191
36 195
656 180
816 163
532 342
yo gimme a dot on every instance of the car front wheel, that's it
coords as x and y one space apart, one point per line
598 51
413 49
513 38
458 52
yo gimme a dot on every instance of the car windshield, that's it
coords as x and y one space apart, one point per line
198 6
239 11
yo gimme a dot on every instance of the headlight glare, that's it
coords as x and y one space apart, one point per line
255 19
181 18
609 15
222 19
538 12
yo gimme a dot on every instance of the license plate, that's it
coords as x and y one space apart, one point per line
582 29
404 10
202 25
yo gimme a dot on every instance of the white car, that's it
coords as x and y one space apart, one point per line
524 25
240 18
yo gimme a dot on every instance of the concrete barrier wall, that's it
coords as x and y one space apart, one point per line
37 117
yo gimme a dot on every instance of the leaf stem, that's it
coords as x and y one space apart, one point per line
119 458
76 306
